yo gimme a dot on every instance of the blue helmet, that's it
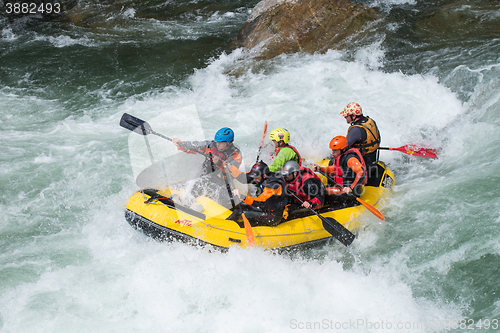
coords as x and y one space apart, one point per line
225 134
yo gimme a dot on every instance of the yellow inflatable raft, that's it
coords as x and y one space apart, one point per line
157 215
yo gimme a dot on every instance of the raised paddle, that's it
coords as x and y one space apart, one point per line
138 125
143 128
246 223
372 209
261 144
331 225
414 150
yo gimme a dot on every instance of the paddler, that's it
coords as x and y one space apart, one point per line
363 133
268 207
347 167
304 183
220 150
282 150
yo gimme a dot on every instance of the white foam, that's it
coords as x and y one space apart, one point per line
93 272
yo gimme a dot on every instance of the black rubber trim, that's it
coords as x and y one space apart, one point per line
171 204
162 233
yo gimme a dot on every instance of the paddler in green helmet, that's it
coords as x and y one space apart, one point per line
282 150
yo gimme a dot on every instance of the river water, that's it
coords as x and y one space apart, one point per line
69 262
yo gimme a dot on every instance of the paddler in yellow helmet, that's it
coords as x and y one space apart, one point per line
282 150
363 133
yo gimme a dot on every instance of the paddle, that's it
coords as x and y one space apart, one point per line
246 223
138 125
372 209
143 128
414 150
261 144
331 225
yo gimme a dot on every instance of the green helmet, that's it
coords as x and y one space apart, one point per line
280 134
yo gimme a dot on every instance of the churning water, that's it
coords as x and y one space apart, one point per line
69 262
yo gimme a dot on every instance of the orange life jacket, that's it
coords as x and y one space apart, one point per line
372 136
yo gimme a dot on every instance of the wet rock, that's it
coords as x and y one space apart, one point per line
287 26
460 20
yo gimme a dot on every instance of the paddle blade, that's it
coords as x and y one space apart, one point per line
261 144
135 124
372 209
338 231
263 134
417 151
248 231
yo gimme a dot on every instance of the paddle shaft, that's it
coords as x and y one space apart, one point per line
413 150
246 223
261 142
230 186
180 144
312 210
338 230
133 124
371 208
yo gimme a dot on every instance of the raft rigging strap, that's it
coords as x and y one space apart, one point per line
154 196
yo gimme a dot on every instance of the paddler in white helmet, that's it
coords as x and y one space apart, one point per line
363 133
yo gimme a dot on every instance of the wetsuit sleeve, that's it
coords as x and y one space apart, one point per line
234 162
235 159
328 169
315 191
355 134
285 154
358 169
191 147
240 176
266 194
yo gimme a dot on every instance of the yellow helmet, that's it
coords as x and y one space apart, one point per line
280 134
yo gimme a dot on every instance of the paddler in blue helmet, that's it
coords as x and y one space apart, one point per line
220 150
